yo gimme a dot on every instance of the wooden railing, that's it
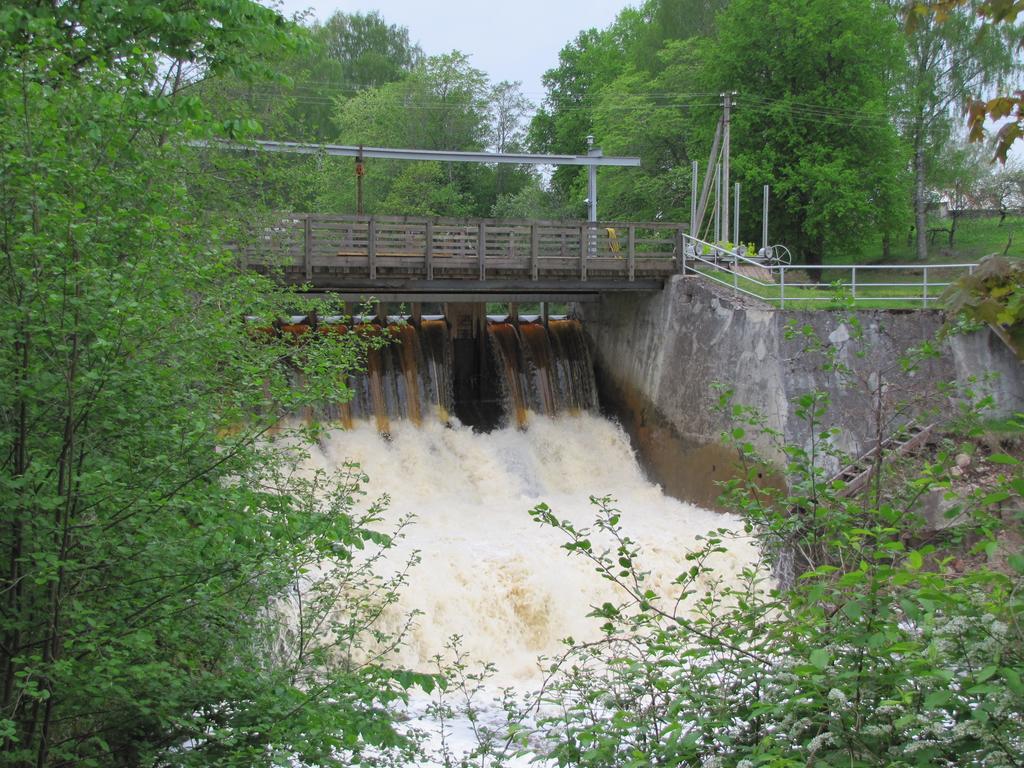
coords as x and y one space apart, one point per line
376 247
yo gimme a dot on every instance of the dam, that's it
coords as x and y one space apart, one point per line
466 446
481 417
482 409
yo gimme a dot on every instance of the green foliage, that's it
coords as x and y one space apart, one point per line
564 121
150 531
860 637
883 653
369 51
422 190
992 294
441 105
833 177
998 19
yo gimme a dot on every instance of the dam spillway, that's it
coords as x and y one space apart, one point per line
465 423
497 374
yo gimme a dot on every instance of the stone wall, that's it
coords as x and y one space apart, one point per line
658 356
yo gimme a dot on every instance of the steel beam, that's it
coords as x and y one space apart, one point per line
441 298
385 153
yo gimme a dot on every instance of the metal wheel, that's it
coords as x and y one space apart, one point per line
781 256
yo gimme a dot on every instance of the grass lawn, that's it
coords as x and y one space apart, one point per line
975 238
904 291
891 288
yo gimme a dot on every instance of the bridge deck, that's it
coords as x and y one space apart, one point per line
418 256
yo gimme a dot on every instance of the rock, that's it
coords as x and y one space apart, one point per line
963 460
840 335
956 472
938 511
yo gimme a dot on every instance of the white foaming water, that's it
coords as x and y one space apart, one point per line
488 572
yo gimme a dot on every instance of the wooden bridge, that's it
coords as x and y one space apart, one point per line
403 258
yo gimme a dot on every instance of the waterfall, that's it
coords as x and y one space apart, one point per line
540 370
488 572
546 371
407 379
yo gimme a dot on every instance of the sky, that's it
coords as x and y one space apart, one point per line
516 40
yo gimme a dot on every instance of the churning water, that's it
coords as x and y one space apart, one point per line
488 572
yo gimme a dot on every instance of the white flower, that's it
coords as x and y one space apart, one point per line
838 698
820 741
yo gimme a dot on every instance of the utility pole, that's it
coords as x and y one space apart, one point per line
709 175
726 116
718 204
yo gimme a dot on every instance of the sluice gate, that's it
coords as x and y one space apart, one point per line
487 371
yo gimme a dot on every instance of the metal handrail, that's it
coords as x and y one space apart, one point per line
693 252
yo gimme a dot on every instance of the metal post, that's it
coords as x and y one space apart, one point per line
718 208
853 282
782 286
592 151
764 220
727 106
429 253
307 247
360 170
592 181
924 301
693 199
736 219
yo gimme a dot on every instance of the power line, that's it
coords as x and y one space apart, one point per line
664 99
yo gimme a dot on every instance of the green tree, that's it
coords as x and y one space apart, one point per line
149 533
961 173
1003 189
562 124
445 104
948 63
670 20
998 17
421 189
369 51
441 105
813 117
664 120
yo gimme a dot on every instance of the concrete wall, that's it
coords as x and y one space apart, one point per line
657 357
